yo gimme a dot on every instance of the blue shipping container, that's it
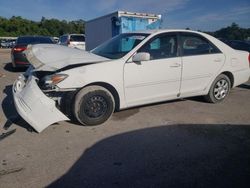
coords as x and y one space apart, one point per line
103 28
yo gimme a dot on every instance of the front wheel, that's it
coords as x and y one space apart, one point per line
219 89
93 105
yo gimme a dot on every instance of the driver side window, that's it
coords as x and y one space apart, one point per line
161 46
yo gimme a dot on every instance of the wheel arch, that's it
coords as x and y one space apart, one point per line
230 76
111 89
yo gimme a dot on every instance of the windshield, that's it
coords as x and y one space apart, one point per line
119 45
76 38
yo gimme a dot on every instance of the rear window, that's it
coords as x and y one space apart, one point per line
34 40
77 38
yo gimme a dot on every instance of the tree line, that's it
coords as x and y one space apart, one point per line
17 26
233 32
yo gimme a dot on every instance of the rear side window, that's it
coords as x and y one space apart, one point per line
196 45
77 38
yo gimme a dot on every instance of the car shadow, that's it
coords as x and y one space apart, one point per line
10 112
244 86
199 99
122 115
8 67
187 155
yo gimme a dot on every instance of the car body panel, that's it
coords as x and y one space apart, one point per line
34 106
204 66
18 56
51 57
108 72
152 80
73 41
239 68
136 83
78 45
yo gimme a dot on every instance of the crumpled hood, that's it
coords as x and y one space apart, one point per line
51 57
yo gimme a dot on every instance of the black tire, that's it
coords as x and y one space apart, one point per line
219 89
93 105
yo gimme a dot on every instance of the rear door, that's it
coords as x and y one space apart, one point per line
201 62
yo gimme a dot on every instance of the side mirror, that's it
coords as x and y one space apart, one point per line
141 56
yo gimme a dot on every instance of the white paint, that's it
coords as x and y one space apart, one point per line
52 57
136 83
34 106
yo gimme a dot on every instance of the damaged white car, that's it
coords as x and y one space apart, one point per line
131 69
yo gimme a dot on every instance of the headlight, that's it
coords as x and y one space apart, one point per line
54 79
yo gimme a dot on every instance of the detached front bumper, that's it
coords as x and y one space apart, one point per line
33 105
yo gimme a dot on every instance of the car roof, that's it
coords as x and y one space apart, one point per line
158 31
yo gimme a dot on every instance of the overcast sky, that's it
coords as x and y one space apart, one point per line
206 15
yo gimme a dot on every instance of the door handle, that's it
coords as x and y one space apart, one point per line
175 65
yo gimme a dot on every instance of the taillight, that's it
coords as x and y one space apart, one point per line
19 49
249 59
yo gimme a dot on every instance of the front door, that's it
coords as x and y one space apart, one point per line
157 79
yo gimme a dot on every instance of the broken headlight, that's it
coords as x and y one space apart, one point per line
50 81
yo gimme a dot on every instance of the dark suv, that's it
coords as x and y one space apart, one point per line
17 53
237 44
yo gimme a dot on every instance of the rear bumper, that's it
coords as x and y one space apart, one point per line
33 105
241 77
77 46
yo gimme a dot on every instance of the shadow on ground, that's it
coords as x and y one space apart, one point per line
168 156
126 113
244 86
10 112
8 67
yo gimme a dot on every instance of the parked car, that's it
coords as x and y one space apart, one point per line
238 44
9 43
131 69
17 53
12 43
73 41
3 43
55 40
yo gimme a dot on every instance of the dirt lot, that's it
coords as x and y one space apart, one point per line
183 143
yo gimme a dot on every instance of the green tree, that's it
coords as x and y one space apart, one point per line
16 26
233 32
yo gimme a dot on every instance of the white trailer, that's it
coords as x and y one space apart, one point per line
103 28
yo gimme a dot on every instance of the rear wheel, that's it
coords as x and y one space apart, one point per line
93 105
219 89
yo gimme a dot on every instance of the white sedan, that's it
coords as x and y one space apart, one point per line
131 69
